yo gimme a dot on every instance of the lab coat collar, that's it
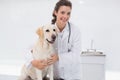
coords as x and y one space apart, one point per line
65 32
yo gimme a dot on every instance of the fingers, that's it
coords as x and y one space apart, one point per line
52 55
52 59
43 62
49 61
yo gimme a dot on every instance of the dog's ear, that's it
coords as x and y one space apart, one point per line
40 32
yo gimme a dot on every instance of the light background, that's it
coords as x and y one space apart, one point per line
98 20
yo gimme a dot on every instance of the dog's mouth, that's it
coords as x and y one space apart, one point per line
51 42
53 39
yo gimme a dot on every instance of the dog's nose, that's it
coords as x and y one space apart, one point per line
53 37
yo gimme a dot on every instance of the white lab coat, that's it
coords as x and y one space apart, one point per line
68 66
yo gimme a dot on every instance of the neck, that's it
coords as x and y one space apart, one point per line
60 26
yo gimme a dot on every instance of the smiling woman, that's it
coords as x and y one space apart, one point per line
65 54
98 20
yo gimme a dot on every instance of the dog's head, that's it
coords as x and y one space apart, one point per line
47 33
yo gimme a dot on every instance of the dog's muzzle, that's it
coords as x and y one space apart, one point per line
53 39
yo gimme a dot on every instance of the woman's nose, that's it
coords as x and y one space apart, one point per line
65 16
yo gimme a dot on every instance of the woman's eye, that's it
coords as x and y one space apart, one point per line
63 12
53 29
47 30
68 13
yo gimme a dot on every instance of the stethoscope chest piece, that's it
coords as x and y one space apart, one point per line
69 47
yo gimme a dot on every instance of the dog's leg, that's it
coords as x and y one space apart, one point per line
39 74
23 75
50 72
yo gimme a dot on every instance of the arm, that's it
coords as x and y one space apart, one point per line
71 57
40 64
54 58
29 61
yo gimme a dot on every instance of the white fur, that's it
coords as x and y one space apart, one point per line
42 50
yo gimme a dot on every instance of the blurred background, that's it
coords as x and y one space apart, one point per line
98 20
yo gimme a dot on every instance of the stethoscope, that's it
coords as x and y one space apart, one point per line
69 46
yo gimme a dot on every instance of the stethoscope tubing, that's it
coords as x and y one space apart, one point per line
69 32
69 37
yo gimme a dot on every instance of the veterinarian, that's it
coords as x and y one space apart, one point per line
66 60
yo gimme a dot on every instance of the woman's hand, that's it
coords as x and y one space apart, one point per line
40 64
52 59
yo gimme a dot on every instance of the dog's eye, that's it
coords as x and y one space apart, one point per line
53 29
47 30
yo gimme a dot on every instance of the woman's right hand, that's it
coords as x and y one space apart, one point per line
40 64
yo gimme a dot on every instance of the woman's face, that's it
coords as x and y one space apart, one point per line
63 15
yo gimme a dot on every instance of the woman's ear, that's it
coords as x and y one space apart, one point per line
55 13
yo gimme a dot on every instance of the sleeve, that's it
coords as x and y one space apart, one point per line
72 57
30 44
28 57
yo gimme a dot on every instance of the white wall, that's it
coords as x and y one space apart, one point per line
19 20
97 19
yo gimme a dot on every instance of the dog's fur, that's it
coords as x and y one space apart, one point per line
42 50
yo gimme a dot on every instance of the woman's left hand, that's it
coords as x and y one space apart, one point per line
52 59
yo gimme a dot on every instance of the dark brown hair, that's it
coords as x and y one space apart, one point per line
58 5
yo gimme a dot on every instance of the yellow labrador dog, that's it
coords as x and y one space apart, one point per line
42 50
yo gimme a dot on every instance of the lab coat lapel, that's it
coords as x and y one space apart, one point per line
65 35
